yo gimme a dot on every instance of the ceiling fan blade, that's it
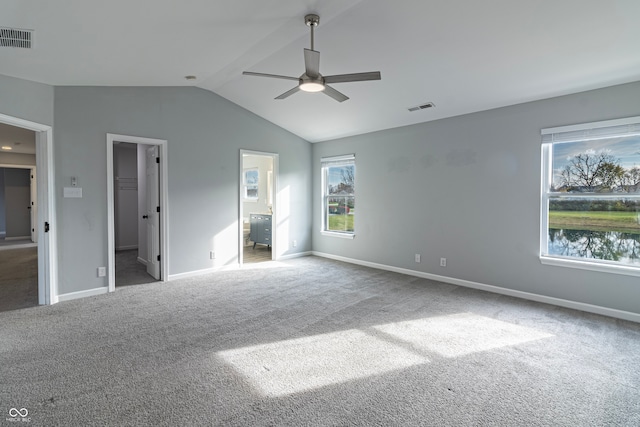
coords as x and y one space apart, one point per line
338 96
355 77
288 93
312 62
274 76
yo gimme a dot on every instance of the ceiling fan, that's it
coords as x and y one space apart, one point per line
312 80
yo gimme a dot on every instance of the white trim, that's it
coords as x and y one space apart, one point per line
338 234
17 238
592 125
47 244
164 204
344 157
18 246
203 272
126 248
605 311
295 255
142 261
83 294
587 265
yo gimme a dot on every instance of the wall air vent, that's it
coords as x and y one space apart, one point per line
15 37
422 107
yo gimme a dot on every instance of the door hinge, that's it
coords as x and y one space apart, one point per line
158 257
157 159
46 227
158 209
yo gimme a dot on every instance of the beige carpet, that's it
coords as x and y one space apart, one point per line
18 278
314 342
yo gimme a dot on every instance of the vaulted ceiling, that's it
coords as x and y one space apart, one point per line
462 55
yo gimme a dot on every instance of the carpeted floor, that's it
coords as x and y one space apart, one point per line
312 341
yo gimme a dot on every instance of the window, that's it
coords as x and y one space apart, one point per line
250 183
591 196
338 195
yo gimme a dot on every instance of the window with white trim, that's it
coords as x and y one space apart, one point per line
590 212
250 183
338 195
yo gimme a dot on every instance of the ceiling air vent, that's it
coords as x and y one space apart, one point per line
422 107
15 37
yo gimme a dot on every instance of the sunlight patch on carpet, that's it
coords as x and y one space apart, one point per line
297 365
460 334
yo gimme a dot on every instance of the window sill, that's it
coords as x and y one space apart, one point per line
593 266
339 235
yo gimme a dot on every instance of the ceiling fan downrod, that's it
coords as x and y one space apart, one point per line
312 21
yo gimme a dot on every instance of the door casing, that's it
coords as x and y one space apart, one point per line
47 241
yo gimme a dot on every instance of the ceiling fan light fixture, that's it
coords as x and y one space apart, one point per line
311 87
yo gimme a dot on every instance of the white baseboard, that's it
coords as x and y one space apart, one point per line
83 294
17 238
203 272
605 311
296 255
126 248
142 261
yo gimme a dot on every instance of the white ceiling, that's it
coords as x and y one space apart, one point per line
462 55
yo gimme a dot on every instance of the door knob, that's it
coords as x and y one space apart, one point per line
145 216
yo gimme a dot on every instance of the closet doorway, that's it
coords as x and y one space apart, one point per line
136 208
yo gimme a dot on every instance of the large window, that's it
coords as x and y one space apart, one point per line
338 195
591 196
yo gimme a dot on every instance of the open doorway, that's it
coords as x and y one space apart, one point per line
258 173
27 261
136 206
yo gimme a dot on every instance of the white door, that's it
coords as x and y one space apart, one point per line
33 206
152 213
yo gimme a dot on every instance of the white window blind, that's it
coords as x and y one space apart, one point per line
338 160
592 131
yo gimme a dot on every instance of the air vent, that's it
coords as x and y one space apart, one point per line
14 37
422 107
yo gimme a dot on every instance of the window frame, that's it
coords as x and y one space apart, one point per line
574 133
325 163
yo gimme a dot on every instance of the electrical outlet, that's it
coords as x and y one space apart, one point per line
212 255
102 271
417 257
443 262
295 243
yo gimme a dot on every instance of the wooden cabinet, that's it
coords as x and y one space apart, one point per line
260 229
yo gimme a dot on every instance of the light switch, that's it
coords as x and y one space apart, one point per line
72 192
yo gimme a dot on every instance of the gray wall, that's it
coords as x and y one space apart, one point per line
17 159
205 134
468 189
3 218
125 168
17 198
26 100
